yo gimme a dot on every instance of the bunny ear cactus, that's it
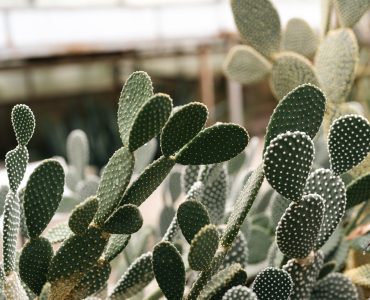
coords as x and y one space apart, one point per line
78 152
350 12
239 292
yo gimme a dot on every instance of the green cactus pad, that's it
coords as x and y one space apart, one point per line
239 292
299 227
288 72
23 122
242 206
15 163
149 121
278 207
34 263
137 276
182 126
304 276
358 191
300 110
116 244
10 231
59 233
148 181
189 177
88 187
273 283
135 93
169 270
93 281
238 252
115 178
222 282
331 188
258 24
245 65
126 219
42 196
348 142
83 214
327 269
334 286
335 62
78 151
350 12
259 242
299 37
77 254
203 248
3 192
287 163
192 216
214 144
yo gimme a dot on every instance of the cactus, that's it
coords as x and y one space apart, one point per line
239 292
358 191
351 12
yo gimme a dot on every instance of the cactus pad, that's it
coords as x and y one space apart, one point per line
137 276
245 65
239 292
203 248
302 109
126 219
117 242
42 196
358 191
189 177
214 144
334 286
273 283
23 122
13 288
135 93
83 214
289 71
360 275
258 24
287 163
182 126
349 142
78 151
335 62
350 12
169 270
238 252
299 227
331 188
34 263
15 163
149 120
59 233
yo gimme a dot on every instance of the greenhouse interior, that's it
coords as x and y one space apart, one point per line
185 149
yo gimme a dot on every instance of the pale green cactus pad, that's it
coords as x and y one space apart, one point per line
259 242
189 177
42 196
169 270
192 216
334 286
126 219
304 276
239 292
302 109
273 283
350 12
117 242
34 263
203 248
242 206
238 252
214 144
287 163
135 93
83 214
289 71
13 288
78 151
149 121
222 282
59 233
183 125
137 276
299 37
358 191
348 142
15 163
335 62
360 275
331 188
87 187
23 122
299 227
245 65
115 178
148 181
259 24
